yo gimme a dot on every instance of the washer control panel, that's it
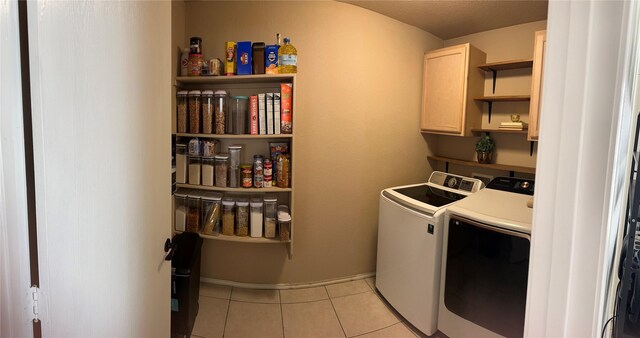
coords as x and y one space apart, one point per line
512 184
456 182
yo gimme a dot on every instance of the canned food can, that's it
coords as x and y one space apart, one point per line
268 174
258 171
247 180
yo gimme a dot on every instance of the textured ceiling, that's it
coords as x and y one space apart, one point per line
450 19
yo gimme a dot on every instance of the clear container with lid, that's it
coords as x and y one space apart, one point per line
211 213
220 111
239 112
284 223
228 216
207 111
195 164
193 212
195 107
182 111
181 163
181 210
207 171
256 217
242 217
235 155
270 203
222 170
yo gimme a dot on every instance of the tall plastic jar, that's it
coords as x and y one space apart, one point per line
235 156
207 171
220 111
207 111
239 112
284 223
211 213
256 217
195 165
182 111
270 204
242 217
195 107
180 210
181 163
228 216
222 170
193 212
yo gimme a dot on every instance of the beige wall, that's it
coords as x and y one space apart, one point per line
515 42
357 132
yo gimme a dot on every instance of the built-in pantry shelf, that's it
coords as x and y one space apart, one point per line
227 189
495 166
185 81
245 239
237 137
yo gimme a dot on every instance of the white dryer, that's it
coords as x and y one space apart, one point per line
485 261
410 228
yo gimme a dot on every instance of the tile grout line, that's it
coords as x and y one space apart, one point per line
380 329
226 317
335 312
281 312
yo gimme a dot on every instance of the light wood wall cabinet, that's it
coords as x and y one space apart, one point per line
451 81
536 84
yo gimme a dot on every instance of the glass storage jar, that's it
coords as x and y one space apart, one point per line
242 217
220 111
182 111
228 216
195 164
222 170
207 171
194 111
270 203
193 212
256 217
180 210
207 111
211 213
181 163
239 112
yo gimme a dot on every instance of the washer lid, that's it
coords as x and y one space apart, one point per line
503 209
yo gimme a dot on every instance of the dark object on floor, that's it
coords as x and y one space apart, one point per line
185 283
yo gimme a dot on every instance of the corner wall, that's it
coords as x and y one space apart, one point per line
359 92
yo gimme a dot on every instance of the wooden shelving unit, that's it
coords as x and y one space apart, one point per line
227 189
238 137
505 167
185 81
243 239
507 65
500 131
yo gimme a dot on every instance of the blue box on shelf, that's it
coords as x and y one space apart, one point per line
243 58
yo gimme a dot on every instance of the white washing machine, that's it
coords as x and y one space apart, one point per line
410 228
485 261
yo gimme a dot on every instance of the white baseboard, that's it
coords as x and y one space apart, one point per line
284 286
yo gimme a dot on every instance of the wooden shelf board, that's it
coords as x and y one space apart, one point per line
247 239
261 78
232 136
506 131
506 65
505 167
504 98
221 189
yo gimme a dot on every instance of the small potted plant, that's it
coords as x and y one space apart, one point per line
484 149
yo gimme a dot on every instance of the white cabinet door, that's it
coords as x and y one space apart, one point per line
101 90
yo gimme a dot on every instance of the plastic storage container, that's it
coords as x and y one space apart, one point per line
242 217
222 170
211 213
207 111
181 163
180 213
195 164
182 111
228 216
220 111
207 171
195 104
270 203
193 212
284 223
256 217
235 155
239 112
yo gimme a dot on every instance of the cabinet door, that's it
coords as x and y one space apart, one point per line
444 90
536 84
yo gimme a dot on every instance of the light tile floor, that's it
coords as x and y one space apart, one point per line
349 309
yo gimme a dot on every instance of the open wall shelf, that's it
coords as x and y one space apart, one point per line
510 168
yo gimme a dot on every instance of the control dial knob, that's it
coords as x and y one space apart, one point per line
525 185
